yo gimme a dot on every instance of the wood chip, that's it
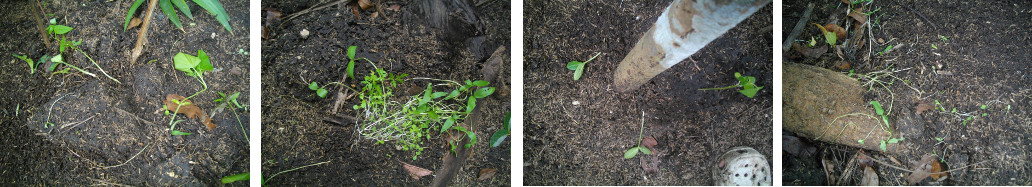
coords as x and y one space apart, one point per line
487 173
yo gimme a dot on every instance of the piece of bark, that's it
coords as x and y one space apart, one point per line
415 171
142 38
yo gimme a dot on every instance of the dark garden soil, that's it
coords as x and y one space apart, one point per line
99 123
576 132
294 130
982 62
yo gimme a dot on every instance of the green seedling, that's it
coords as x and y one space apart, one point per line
212 6
944 38
60 30
934 47
634 150
226 100
829 36
408 122
193 66
747 83
884 143
321 90
880 112
32 63
235 178
499 136
887 49
578 67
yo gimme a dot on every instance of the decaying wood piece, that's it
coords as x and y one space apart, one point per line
684 27
454 162
814 97
142 38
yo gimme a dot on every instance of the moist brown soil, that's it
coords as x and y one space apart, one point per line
294 132
118 120
576 132
983 62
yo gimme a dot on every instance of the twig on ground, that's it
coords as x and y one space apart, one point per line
798 28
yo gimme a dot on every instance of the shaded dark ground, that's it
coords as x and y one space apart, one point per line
583 144
294 133
118 120
984 61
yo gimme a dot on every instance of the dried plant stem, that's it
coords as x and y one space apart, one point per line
142 38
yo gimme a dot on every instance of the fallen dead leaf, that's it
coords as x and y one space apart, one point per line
841 65
415 171
936 168
922 107
487 173
921 169
365 4
649 142
839 31
810 52
857 14
190 110
870 177
395 7
135 22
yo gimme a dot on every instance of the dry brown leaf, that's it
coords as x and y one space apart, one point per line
135 22
936 167
839 31
190 110
810 52
395 7
841 65
922 107
921 169
870 177
487 173
365 4
649 142
415 171
857 15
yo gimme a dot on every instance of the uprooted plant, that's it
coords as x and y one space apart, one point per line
746 83
194 66
58 32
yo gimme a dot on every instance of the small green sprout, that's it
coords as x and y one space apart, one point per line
934 47
499 136
578 67
235 178
829 36
880 112
887 49
634 150
747 83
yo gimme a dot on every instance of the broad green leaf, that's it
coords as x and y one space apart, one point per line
577 73
215 8
750 92
498 137
883 146
878 108
237 177
180 133
645 150
573 65
483 92
59 29
351 69
183 7
313 86
426 94
129 15
166 7
470 104
895 140
448 124
57 58
472 138
453 94
321 92
205 62
32 65
861 141
183 62
480 83
630 153
438 94
351 52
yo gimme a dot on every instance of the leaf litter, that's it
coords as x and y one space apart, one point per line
415 171
191 111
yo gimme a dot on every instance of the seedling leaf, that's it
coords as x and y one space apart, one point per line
32 65
235 178
351 52
645 150
448 124
883 146
180 133
750 92
59 29
483 92
321 93
313 86
577 73
878 108
480 83
631 153
573 65
205 62
438 95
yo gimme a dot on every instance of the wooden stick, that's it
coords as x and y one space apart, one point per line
138 50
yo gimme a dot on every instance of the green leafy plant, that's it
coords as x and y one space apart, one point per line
212 6
32 63
887 49
321 90
884 143
829 36
578 67
193 66
746 83
634 150
232 99
58 32
499 136
408 120
235 178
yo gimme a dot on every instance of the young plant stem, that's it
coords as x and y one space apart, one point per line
95 64
79 69
171 122
593 58
289 170
722 88
642 128
242 130
199 78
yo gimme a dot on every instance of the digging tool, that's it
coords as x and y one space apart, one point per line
684 27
